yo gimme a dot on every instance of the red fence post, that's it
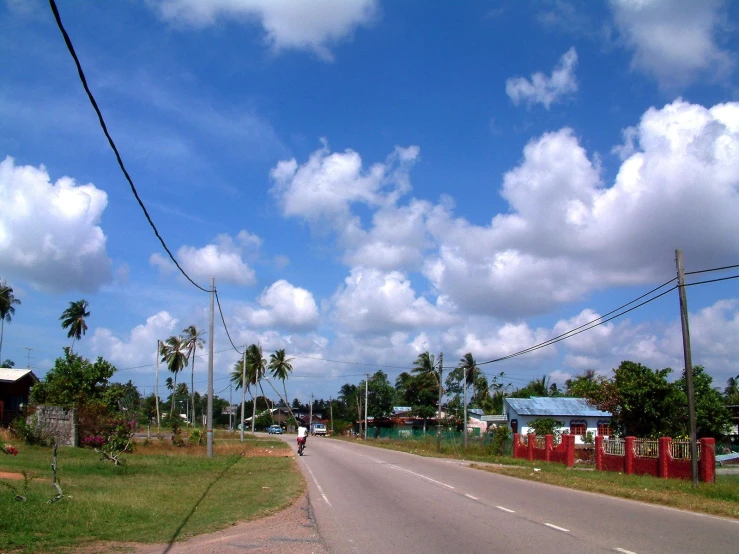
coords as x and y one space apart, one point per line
516 444
629 455
599 452
570 445
665 455
532 444
548 443
707 463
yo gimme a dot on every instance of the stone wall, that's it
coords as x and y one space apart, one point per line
56 422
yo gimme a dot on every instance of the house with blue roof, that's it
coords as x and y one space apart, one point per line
576 416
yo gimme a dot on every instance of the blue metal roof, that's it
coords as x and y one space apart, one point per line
546 406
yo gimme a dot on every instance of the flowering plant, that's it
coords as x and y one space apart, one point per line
115 439
9 449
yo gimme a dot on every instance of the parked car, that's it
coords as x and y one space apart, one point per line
274 430
317 429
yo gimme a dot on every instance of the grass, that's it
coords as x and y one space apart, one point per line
720 498
162 494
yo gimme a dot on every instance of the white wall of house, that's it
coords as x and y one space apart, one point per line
525 420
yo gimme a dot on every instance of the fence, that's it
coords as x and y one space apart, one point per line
663 458
450 438
543 448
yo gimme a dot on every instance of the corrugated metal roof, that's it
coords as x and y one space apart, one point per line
9 375
546 406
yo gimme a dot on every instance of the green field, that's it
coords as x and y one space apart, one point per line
162 494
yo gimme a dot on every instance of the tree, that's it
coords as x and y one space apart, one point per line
172 352
73 318
380 395
731 392
192 342
537 387
280 367
74 381
8 363
712 417
7 309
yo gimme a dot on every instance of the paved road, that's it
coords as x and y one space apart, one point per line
369 500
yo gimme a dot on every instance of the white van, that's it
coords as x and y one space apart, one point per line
317 429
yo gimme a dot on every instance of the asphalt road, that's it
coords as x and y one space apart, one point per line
369 500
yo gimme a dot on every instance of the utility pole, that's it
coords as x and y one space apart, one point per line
366 395
688 365
438 414
156 389
209 424
464 426
331 409
230 406
243 392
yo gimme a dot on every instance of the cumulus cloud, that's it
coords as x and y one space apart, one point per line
138 347
372 301
223 260
287 24
324 188
50 233
284 305
673 40
542 89
567 233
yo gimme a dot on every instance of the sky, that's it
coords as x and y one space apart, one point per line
366 180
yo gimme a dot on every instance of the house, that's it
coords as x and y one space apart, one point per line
576 415
15 387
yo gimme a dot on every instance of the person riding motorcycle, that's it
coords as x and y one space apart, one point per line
302 435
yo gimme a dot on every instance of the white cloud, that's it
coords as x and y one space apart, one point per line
284 305
222 260
674 40
372 301
567 234
50 233
542 89
287 24
139 347
325 187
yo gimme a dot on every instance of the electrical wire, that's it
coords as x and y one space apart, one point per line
712 281
94 103
713 269
223 319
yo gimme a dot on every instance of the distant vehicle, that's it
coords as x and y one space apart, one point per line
317 429
274 430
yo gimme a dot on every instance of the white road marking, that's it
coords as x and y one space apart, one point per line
472 497
320 489
506 510
557 527
421 476
624 551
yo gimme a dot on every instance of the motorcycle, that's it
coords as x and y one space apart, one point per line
301 445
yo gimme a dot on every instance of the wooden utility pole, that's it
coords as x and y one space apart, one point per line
243 391
688 365
310 413
464 426
209 424
331 409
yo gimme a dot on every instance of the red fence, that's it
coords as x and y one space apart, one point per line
563 453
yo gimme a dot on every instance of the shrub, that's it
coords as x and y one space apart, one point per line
500 436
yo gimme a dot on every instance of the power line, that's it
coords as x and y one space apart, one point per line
224 323
81 74
712 281
713 269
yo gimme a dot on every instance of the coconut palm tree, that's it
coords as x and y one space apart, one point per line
192 342
468 365
172 352
280 367
7 301
74 319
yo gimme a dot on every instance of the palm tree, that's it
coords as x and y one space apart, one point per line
74 319
172 353
7 300
192 341
731 392
280 367
425 367
468 365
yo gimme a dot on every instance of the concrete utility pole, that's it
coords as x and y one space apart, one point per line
310 413
209 424
243 391
464 426
366 395
688 365
438 414
156 388
331 409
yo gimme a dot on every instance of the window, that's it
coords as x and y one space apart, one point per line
578 427
604 428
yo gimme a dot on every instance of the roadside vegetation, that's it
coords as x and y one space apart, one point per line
162 494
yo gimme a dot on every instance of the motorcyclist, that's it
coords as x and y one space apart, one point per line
302 435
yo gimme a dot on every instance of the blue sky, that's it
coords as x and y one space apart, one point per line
367 180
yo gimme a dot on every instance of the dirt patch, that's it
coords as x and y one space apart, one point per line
11 476
291 530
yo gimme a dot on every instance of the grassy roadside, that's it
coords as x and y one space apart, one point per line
163 494
720 498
